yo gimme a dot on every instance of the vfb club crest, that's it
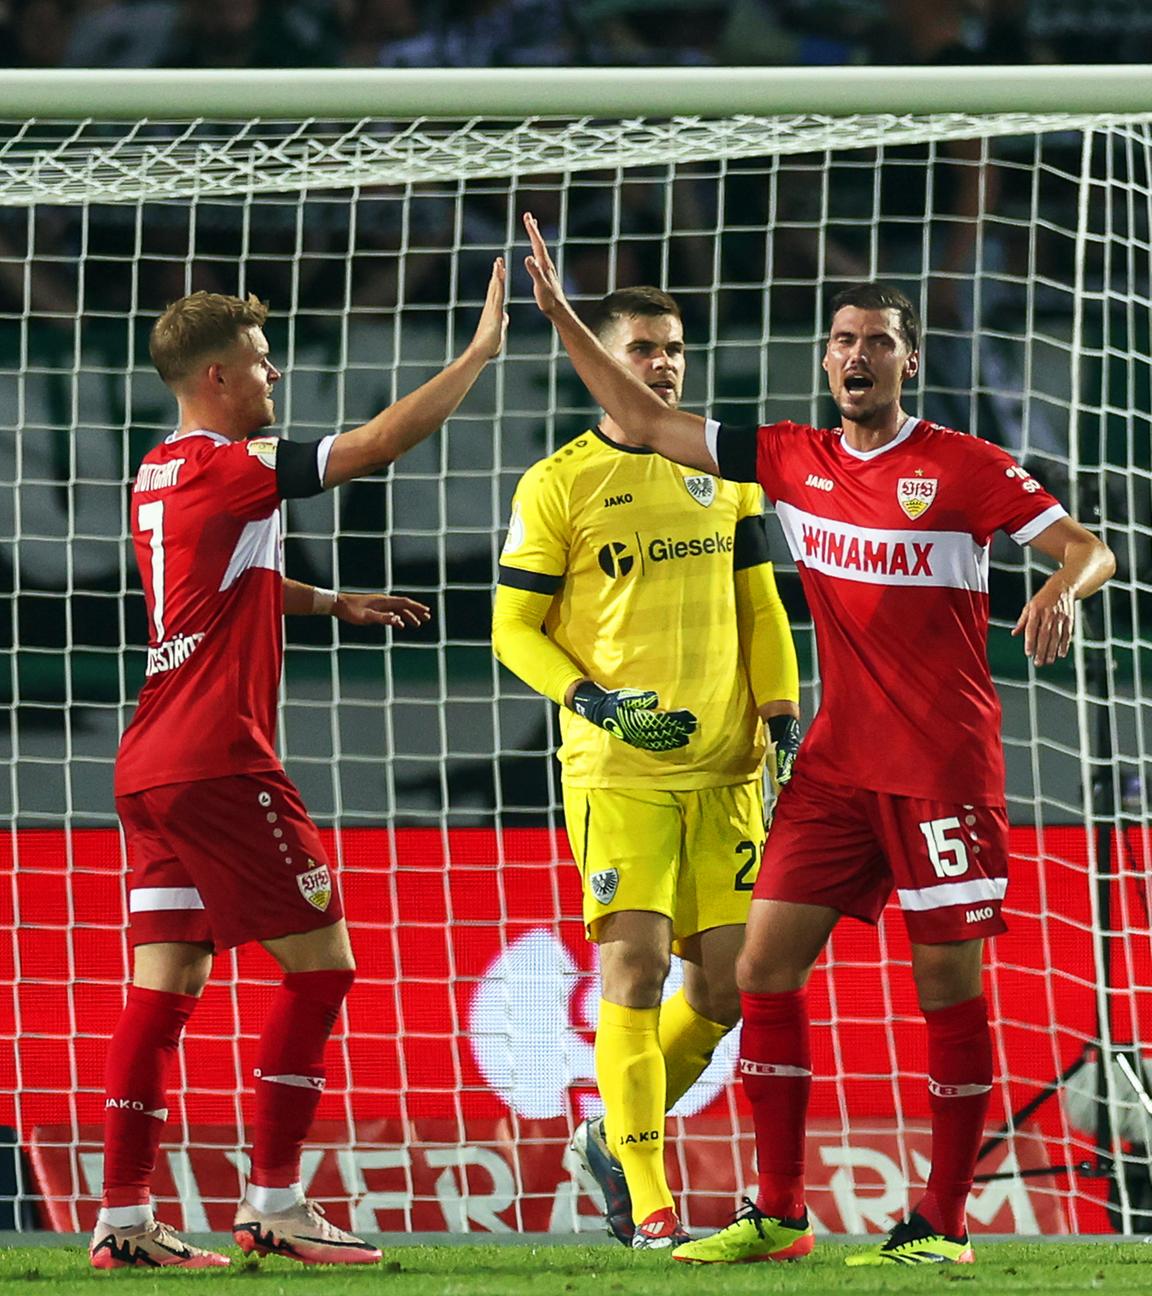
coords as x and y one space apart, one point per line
702 489
915 494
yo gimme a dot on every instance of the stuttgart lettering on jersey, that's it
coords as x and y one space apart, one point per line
171 653
880 556
153 477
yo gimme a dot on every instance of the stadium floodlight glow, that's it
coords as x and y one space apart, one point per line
1014 205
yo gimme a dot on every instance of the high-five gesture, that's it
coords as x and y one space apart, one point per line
644 418
546 286
398 428
493 326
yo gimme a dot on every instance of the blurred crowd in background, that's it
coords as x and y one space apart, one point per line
560 33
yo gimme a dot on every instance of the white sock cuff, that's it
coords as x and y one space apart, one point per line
125 1217
270 1201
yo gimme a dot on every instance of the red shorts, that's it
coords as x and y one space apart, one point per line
847 848
225 861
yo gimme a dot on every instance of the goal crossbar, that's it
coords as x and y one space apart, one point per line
102 94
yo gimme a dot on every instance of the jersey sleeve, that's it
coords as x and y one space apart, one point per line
750 547
751 454
242 477
1005 497
535 553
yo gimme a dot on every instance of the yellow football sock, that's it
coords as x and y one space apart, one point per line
630 1071
687 1041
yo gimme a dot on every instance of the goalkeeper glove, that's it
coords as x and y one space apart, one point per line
784 730
631 716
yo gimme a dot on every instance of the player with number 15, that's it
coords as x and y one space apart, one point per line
899 783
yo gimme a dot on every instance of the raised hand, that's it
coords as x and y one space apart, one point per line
546 286
380 609
493 326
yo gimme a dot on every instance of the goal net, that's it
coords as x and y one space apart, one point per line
466 1054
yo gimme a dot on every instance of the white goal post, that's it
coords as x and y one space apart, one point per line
1015 207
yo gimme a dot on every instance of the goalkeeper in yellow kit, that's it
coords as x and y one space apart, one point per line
667 647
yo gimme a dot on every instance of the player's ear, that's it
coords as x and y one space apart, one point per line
912 365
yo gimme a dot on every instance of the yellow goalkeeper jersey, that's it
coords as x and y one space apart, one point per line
639 555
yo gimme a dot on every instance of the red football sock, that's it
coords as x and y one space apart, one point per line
290 1071
959 1087
140 1054
776 1067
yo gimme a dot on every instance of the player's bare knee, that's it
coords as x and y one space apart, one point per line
634 978
720 1005
947 974
176 967
769 972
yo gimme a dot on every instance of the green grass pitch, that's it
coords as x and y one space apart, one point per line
1034 1269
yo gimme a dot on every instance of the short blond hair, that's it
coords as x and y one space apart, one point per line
199 325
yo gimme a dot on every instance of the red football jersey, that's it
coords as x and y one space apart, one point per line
206 530
892 549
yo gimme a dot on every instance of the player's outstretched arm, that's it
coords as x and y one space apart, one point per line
398 428
1049 615
355 609
639 412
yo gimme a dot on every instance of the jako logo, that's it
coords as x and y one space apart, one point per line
615 560
978 915
821 483
618 499
645 1136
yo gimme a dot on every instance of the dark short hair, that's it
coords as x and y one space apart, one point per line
880 296
627 302
199 325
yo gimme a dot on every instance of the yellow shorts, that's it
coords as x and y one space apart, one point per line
693 856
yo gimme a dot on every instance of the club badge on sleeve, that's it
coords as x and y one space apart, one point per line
264 449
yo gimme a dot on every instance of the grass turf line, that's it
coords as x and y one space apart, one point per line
1001 1269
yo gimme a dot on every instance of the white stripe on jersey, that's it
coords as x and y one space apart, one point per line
150 899
1042 522
875 556
711 437
323 452
946 894
258 546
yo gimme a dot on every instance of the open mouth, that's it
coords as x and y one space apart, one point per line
858 383
662 387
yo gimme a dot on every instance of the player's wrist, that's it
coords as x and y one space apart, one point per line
324 601
588 699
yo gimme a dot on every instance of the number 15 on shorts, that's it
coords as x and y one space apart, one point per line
946 847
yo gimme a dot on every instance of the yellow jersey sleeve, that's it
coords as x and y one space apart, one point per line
520 644
535 553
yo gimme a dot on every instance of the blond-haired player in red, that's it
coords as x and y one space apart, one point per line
223 851
899 783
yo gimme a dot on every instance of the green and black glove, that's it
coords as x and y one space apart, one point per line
631 716
784 730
